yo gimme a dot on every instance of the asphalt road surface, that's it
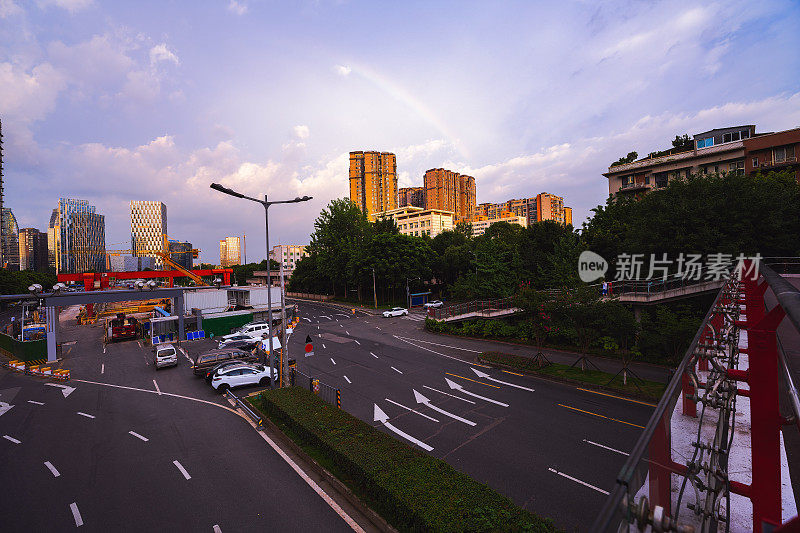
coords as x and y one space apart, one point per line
555 449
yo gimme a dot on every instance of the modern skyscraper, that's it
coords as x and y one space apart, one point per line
80 242
148 230
33 250
2 192
181 253
373 181
230 252
450 191
10 242
411 196
53 234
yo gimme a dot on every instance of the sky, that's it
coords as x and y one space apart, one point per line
155 100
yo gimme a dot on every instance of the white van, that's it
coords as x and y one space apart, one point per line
255 331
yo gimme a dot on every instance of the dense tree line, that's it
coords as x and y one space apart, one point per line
12 282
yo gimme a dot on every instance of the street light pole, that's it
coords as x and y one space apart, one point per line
374 290
266 203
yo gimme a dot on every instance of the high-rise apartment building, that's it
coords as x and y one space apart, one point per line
148 230
230 252
33 252
373 181
550 207
181 253
411 196
53 233
80 239
543 206
10 239
450 191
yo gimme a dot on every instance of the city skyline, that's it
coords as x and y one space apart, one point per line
109 103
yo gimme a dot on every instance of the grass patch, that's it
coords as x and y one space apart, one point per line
410 489
651 390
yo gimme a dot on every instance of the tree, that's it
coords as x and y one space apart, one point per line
682 143
580 309
538 319
630 158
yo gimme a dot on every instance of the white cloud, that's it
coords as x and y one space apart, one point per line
8 8
240 8
301 131
342 70
160 52
73 6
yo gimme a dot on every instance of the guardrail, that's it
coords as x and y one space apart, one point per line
474 306
259 422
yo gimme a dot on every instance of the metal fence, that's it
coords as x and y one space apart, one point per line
330 394
480 307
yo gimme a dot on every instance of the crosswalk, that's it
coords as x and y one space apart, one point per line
417 318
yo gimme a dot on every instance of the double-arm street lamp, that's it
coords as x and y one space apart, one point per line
266 203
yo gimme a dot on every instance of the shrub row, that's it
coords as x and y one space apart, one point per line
410 489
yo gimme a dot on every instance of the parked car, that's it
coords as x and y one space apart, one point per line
254 331
395 311
237 341
210 359
210 372
238 375
433 305
165 356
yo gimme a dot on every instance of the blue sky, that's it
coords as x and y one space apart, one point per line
119 101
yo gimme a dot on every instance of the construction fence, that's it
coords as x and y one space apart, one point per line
330 394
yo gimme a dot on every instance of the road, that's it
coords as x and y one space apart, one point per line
555 449
132 449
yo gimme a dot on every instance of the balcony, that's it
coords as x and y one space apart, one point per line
634 187
778 164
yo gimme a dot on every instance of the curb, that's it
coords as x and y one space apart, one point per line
342 489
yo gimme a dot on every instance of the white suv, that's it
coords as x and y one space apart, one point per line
254 331
433 305
165 356
232 376
395 311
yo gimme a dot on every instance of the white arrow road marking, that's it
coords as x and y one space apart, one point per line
398 371
410 409
346 332
12 439
456 386
182 469
66 390
52 469
307 319
576 480
86 415
373 355
605 447
451 395
332 361
140 437
216 529
425 401
5 407
484 375
347 379
323 316
384 419
76 514
37 403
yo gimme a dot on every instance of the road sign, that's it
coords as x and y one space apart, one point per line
309 346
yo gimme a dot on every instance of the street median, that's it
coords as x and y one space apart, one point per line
411 490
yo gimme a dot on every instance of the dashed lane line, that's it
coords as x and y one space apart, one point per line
76 514
103 368
35 402
451 395
323 345
182 469
410 409
85 414
602 416
346 332
576 480
12 439
373 355
514 373
347 379
332 361
398 371
356 341
52 469
609 448
140 437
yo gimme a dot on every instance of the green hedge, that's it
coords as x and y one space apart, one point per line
410 489
24 351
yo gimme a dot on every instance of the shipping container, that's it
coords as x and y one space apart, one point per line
207 300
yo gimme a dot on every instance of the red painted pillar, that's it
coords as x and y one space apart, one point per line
660 456
765 417
227 278
171 281
687 389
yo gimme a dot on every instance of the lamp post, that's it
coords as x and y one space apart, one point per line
408 292
266 203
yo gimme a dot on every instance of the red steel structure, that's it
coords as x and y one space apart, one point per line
89 278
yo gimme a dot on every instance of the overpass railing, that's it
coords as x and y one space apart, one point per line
693 447
474 306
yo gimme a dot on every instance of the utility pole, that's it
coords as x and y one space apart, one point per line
374 290
284 347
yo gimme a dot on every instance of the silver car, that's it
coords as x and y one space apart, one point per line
165 356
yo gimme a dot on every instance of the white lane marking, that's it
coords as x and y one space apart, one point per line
5 407
410 409
425 401
444 345
182 469
52 469
354 340
587 441
346 332
376 327
12 439
76 514
103 368
34 401
186 355
104 348
451 395
164 393
311 483
373 355
140 437
455 386
398 371
323 345
140 344
85 414
216 529
342 314
341 326
432 351
157 389
487 376
347 379
576 480
323 316
384 419
66 390
332 361
307 319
